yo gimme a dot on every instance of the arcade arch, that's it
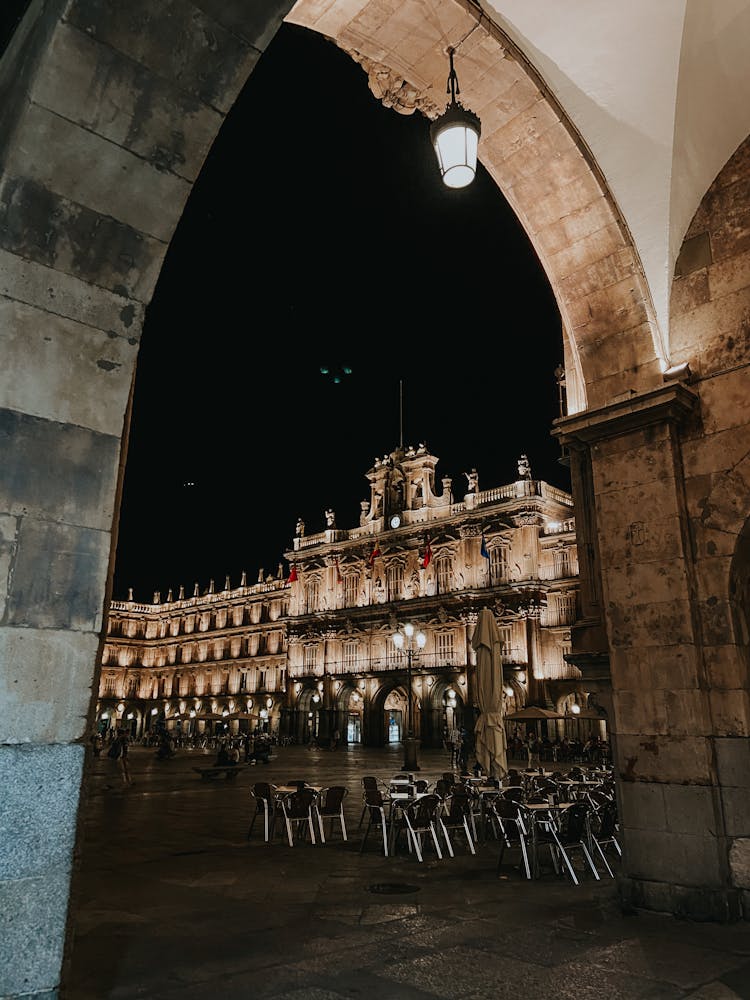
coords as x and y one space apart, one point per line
94 179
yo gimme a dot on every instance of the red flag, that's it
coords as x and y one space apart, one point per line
339 577
427 555
293 575
374 554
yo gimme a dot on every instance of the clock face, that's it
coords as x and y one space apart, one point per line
395 521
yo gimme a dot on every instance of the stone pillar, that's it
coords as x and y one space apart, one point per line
673 818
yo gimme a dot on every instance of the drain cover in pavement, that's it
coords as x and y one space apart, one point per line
393 888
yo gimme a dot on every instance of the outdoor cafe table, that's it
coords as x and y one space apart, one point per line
542 814
282 790
398 802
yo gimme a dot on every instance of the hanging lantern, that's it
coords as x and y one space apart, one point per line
455 136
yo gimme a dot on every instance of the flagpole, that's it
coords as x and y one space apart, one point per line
401 414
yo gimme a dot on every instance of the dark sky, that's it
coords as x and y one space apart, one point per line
319 233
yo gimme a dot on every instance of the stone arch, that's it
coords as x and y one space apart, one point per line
106 123
376 729
436 711
710 308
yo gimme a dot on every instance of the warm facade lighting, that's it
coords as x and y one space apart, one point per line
455 136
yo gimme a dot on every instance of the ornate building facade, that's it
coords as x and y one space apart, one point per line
312 653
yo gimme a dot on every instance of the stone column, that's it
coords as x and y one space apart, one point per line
673 822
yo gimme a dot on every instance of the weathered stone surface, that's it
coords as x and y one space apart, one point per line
694 255
115 97
67 296
123 186
730 711
736 805
40 787
80 376
733 762
739 862
45 684
725 404
659 757
68 592
642 806
202 57
40 225
665 623
38 810
257 24
32 925
726 666
57 471
682 858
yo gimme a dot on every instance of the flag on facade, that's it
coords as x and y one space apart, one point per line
339 577
483 551
293 575
375 553
427 555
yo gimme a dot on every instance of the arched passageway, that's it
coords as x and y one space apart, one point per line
107 119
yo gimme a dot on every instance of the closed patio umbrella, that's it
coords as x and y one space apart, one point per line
490 739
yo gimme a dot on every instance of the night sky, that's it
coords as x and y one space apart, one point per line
320 234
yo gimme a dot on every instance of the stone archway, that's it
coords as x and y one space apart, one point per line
105 128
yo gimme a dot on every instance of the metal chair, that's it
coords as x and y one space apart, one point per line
572 834
456 817
329 805
298 809
511 822
374 805
420 819
263 795
603 833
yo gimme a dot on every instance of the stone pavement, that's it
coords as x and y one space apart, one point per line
173 902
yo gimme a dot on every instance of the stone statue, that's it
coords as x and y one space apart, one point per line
299 531
473 481
524 468
330 516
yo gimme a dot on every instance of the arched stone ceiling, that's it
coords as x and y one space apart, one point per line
538 160
660 93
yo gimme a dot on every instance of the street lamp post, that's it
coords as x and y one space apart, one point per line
410 645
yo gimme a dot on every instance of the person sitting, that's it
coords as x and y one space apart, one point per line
233 756
222 758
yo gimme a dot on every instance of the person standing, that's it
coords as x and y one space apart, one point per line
335 739
119 753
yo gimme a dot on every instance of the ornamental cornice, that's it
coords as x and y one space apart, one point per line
672 402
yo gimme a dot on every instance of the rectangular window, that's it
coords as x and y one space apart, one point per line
499 564
350 656
351 589
562 563
444 647
261 680
312 595
395 581
311 658
445 574
505 643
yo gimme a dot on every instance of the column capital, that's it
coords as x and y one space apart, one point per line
669 403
